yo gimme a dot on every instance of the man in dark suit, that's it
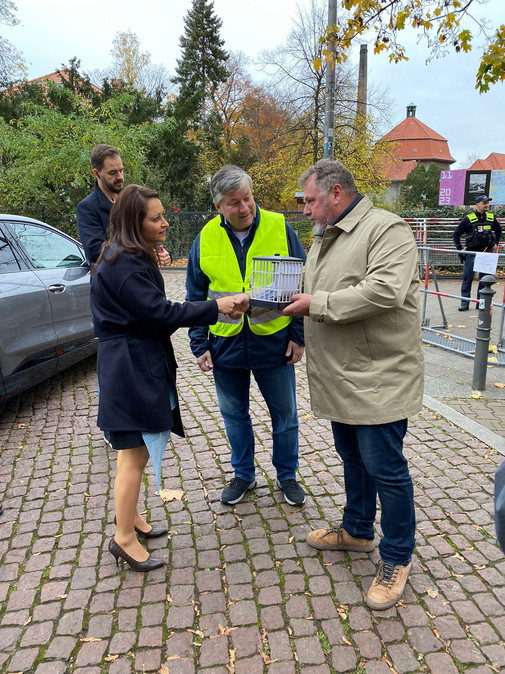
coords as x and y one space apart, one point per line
93 211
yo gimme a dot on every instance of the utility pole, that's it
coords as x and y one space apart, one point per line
329 103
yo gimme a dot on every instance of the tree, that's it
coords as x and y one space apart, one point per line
439 22
297 82
129 61
421 187
202 65
133 68
12 66
45 159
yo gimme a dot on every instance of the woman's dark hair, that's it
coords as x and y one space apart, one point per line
124 234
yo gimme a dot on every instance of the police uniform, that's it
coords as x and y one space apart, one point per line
482 233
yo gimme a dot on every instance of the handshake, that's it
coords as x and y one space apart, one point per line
233 305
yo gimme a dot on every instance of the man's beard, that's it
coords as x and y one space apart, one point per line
319 229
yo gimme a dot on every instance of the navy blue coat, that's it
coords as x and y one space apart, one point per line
92 221
136 364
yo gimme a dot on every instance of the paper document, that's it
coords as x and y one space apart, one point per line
486 263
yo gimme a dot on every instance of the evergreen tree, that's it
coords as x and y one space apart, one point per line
202 64
421 187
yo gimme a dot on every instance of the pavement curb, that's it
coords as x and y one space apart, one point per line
480 432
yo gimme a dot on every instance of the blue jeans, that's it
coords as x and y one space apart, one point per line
374 464
468 274
278 388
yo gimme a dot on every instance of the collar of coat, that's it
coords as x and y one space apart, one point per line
353 213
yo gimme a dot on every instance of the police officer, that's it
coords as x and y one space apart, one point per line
482 234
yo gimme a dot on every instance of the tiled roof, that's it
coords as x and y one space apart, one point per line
415 140
494 162
400 170
51 77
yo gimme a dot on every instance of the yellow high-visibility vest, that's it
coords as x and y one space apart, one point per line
219 263
472 217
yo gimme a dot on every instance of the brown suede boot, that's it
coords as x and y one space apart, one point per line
337 538
388 585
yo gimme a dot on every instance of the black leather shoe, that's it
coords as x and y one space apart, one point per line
463 307
154 532
118 552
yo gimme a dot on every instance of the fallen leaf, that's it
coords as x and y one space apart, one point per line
476 395
169 598
111 658
198 633
231 666
90 639
171 495
499 385
432 593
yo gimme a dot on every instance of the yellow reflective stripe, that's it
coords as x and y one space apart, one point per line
221 318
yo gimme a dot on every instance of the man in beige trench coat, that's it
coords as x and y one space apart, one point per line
364 364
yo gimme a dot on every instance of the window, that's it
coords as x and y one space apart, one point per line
7 260
47 249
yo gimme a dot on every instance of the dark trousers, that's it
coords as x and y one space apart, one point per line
468 274
374 465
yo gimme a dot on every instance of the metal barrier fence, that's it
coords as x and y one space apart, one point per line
437 336
436 234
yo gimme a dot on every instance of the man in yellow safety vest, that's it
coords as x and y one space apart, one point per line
264 343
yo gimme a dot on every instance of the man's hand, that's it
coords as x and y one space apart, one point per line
300 305
205 362
242 303
295 351
164 257
233 305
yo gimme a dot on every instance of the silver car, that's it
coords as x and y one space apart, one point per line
45 316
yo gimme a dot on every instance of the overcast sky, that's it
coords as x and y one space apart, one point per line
53 31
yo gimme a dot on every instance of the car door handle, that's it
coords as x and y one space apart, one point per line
57 288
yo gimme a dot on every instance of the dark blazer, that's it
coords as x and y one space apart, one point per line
136 365
92 222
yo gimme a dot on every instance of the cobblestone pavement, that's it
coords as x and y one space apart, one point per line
242 591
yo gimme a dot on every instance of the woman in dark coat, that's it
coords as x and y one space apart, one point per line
136 364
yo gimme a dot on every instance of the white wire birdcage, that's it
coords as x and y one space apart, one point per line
274 279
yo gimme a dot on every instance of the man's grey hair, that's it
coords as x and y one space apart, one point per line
329 172
227 180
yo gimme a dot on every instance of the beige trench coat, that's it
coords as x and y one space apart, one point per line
363 334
